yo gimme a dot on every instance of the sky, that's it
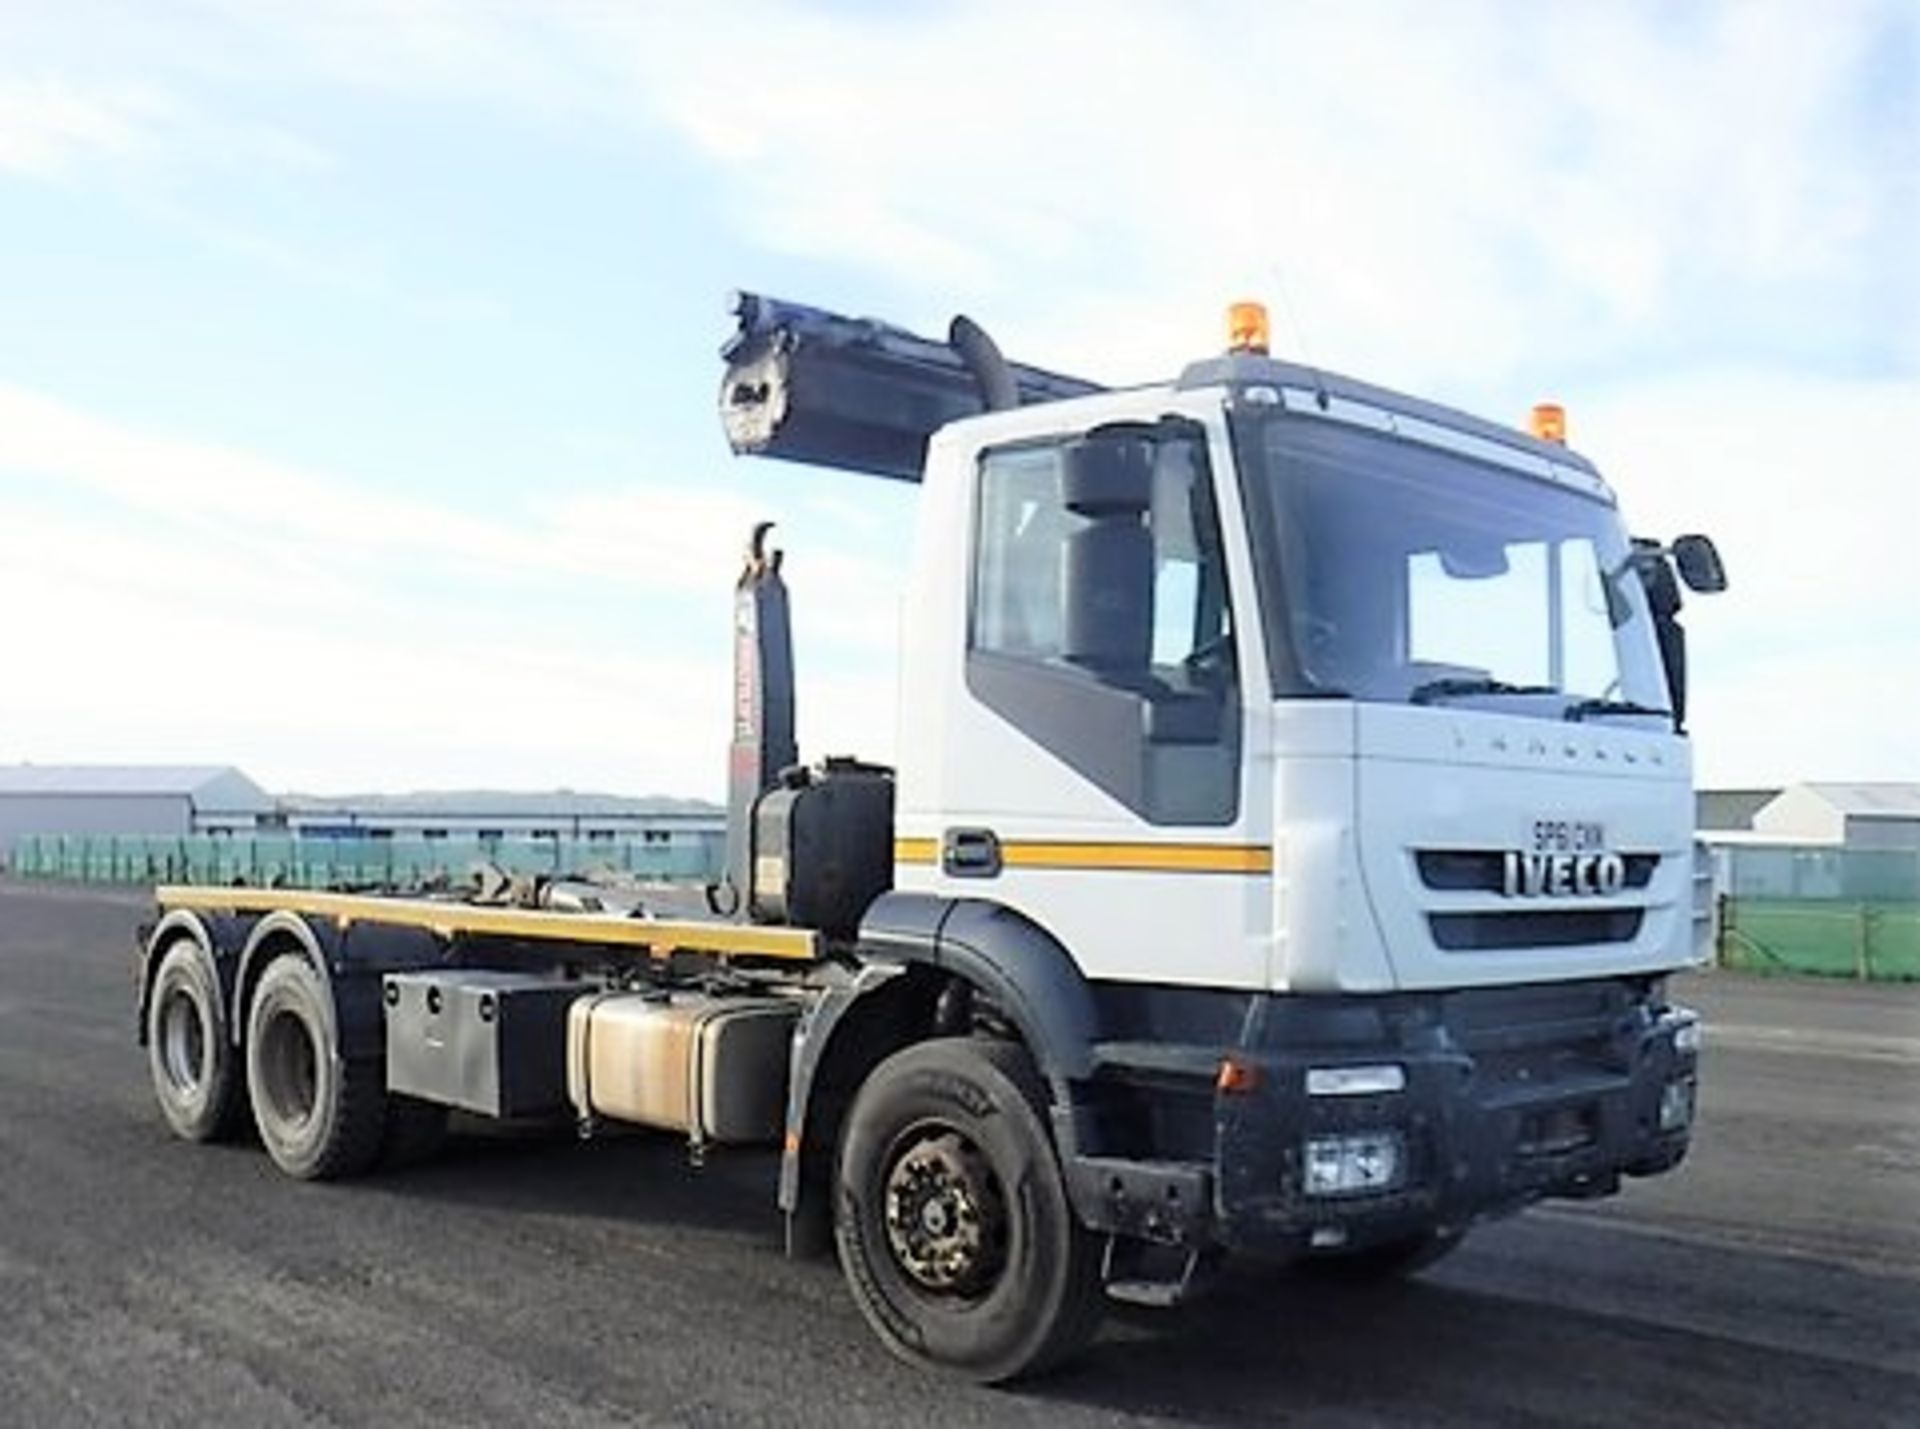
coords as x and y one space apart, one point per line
358 373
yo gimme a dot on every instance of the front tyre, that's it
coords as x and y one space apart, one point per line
952 1217
320 1115
190 1053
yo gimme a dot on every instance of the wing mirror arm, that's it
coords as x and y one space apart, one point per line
1696 562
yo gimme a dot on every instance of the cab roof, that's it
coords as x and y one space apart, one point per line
1240 372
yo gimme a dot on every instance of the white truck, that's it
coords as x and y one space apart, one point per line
1290 840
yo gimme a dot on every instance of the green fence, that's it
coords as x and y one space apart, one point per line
1827 912
290 862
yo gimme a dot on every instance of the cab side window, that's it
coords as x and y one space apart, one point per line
1020 560
1100 620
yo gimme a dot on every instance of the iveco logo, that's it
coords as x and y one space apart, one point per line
1556 875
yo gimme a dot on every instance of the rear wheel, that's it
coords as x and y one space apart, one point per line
952 1218
320 1116
190 1052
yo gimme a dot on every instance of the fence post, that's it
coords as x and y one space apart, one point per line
1861 970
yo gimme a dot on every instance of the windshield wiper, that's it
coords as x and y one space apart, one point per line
1475 685
1580 709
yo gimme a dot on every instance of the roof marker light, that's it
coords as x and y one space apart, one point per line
1248 329
1549 422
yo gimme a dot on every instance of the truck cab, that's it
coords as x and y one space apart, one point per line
1326 736
1332 690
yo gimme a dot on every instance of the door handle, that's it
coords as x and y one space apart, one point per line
970 853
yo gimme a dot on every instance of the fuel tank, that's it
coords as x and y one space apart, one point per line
712 1067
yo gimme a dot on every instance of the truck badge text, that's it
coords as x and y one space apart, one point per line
1554 875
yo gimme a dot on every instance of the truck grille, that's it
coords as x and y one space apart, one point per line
1479 870
1534 928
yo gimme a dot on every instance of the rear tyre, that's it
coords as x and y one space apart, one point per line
320 1116
1390 1260
952 1217
190 1053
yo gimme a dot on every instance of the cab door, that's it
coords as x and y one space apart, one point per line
1092 771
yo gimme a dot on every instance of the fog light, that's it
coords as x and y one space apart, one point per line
1354 1165
1356 1081
1686 1037
1676 1105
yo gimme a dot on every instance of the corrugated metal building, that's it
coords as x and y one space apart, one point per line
171 799
1854 816
496 813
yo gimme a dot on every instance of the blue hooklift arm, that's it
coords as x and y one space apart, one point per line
807 385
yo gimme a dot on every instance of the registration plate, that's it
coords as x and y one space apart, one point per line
1568 836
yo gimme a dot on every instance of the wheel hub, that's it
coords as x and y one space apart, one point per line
183 1042
946 1214
289 1064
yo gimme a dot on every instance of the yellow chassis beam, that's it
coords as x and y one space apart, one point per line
658 936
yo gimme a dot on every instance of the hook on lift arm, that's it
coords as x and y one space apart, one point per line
759 562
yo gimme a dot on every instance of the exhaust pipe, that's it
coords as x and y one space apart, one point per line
990 370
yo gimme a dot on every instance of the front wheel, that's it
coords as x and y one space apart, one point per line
952 1217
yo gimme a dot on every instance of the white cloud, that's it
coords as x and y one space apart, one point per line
51 127
658 536
1808 666
125 667
180 599
46 124
1551 185
1516 180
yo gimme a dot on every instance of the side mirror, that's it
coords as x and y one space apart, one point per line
1698 562
1109 474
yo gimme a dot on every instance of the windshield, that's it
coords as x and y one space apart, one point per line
1399 572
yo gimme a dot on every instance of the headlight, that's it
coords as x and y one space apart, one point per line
1356 1164
1356 1081
1686 1037
1676 1105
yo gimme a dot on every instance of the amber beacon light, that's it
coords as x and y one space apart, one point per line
1247 328
1549 422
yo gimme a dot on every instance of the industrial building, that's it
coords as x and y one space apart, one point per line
52 815
692 831
158 799
1850 816
491 814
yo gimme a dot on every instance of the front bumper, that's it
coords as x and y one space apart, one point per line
1505 1098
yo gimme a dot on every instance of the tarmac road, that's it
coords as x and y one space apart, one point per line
1775 1279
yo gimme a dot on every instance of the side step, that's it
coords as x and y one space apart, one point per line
1139 1272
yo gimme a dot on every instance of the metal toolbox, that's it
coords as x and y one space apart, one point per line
487 1042
715 1068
